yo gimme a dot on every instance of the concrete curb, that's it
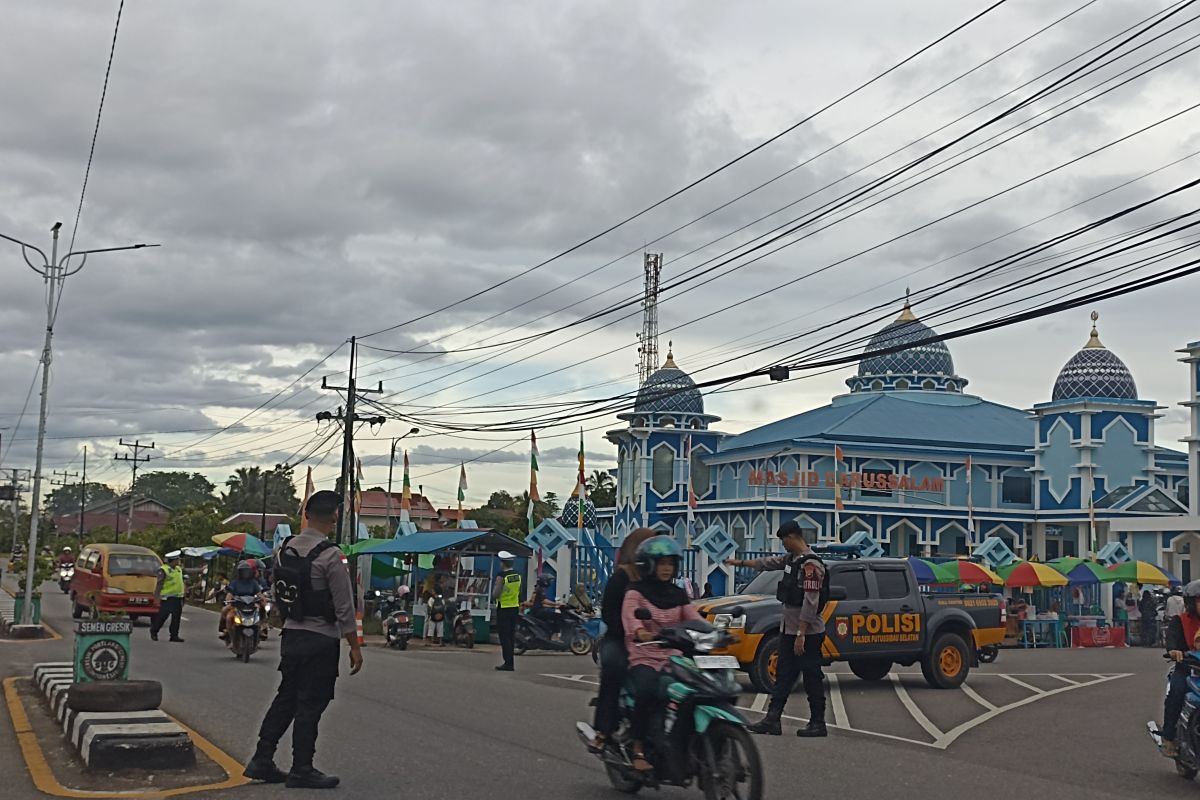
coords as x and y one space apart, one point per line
114 739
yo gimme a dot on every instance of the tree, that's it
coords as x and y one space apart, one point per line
502 520
245 491
502 501
602 488
552 504
177 489
65 499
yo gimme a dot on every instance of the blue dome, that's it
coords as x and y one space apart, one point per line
570 513
1095 371
669 391
927 365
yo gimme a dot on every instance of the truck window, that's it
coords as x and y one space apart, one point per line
765 583
854 581
892 583
133 564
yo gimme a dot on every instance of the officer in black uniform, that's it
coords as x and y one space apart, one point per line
313 586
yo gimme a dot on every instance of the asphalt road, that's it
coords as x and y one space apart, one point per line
1067 724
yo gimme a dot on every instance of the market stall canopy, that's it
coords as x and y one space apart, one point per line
1080 572
243 542
1031 574
475 541
923 570
963 571
1143 572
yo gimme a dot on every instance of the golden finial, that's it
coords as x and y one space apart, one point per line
1094 341
670 362
907 315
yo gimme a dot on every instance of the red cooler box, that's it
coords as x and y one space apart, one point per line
1097 637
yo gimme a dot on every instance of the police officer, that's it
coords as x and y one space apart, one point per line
802 630
169 591
507 594
309 652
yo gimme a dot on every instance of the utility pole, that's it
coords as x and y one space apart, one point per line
62 478
348 418
134 459
13 492
262 525
392 463
82 495
54 273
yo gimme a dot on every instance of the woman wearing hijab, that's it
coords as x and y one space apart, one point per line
658 561
580 601
613 662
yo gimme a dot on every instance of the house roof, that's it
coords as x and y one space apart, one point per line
375 504
108 506
897 418
252 516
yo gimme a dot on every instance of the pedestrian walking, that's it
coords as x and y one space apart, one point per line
313 588
803 592
507 593
1148 610
169 591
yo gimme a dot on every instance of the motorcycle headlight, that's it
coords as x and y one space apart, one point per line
705 641
723 621
237 619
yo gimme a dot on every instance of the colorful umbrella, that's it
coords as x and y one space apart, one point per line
1080 572
1032 574
1142 572
244 543
923 570
963 571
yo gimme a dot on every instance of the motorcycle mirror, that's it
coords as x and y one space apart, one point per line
643 614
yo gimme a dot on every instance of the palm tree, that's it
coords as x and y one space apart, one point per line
602 488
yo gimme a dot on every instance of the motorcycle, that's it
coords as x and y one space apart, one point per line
464 627
697 734
399 629
1187 731
65 573
537 634
245 632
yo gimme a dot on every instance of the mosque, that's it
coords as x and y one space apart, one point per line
911 461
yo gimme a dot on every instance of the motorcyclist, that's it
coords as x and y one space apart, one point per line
657 563
542 608
1181 637
66 558
242 585
580 601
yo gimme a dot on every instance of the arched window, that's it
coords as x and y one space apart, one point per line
928 385
701 473
663 474
876 386
667 422
902 384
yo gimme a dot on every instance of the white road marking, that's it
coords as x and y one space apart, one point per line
840 717
974 695
917 714
760 703
1065 679
1021 683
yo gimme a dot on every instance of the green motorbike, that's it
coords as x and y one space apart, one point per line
697 734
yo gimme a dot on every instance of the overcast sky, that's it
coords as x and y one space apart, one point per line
315 171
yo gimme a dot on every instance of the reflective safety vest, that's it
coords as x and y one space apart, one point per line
510 590
172 582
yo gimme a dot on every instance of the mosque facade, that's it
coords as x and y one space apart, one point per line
913 461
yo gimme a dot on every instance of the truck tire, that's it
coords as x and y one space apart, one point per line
762 669
947 663
115 696
870 669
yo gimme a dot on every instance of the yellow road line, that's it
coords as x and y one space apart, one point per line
43 777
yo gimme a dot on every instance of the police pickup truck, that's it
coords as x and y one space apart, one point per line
876 616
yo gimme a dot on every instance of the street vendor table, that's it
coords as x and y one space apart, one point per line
1097 637
1042 633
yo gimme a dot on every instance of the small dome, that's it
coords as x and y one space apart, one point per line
927 365
569 518
1095 371
669 390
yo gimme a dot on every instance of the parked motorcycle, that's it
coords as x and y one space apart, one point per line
464 627
697 734
65 573
1187 732
568 634
399 629
245 632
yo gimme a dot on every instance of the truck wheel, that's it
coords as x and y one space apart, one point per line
870 669
762 668
946 664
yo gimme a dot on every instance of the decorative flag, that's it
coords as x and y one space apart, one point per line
581 484
838 458
970 502
1092 511
308 492
406 496
462 490
539 560
534 497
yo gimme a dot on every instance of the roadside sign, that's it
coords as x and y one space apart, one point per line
102 650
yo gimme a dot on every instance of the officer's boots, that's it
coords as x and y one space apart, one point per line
816 721
769 724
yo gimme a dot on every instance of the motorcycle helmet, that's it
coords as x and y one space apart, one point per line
653 549
244 570
1191 594
544 581
66 549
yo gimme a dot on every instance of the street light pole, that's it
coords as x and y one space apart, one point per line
53 272
391 464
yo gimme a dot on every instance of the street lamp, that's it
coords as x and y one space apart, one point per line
54 272
391 463
262 524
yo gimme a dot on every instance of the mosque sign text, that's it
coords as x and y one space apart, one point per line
877 481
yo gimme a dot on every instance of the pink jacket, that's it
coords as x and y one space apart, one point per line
650 655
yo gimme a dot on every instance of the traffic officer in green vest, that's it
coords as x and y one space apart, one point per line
507 594
169 592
